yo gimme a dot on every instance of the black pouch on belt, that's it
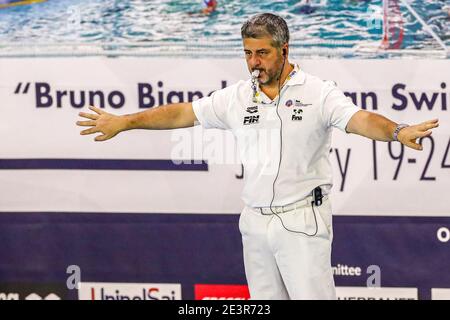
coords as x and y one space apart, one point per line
317 194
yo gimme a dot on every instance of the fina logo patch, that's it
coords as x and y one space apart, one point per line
253 109
297 115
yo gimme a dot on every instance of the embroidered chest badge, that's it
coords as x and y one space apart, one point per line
297 115
252 109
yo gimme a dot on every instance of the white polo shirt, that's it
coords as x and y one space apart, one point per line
283 159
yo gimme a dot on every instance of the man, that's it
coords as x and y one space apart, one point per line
286 224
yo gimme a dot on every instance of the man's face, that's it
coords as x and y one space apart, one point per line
261 55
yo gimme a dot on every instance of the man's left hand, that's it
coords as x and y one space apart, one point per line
409 135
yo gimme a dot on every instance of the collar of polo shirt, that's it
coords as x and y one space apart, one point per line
296 77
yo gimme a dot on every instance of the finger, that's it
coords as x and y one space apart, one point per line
86 123
419 134
414 146
429 125
102 137
90 131
424 134
88 115
432 125
95 109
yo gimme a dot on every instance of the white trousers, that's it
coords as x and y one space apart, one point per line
280 264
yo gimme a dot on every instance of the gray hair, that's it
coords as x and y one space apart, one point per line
266 24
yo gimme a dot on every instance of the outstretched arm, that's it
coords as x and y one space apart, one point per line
178 115
377 127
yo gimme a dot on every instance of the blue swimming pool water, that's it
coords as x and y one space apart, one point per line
335 23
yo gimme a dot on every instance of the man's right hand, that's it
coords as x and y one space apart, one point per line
100 121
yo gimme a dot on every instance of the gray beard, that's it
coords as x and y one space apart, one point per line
271 80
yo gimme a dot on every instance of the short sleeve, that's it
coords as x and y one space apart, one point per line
214 111
337 108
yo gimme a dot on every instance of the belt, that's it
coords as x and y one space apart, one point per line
289 207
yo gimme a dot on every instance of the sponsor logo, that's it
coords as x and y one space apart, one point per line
253 109
35 296
376 293
22 291
296 115
221 292
289 103
251 120
9 296
31 296
300 104
129 291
